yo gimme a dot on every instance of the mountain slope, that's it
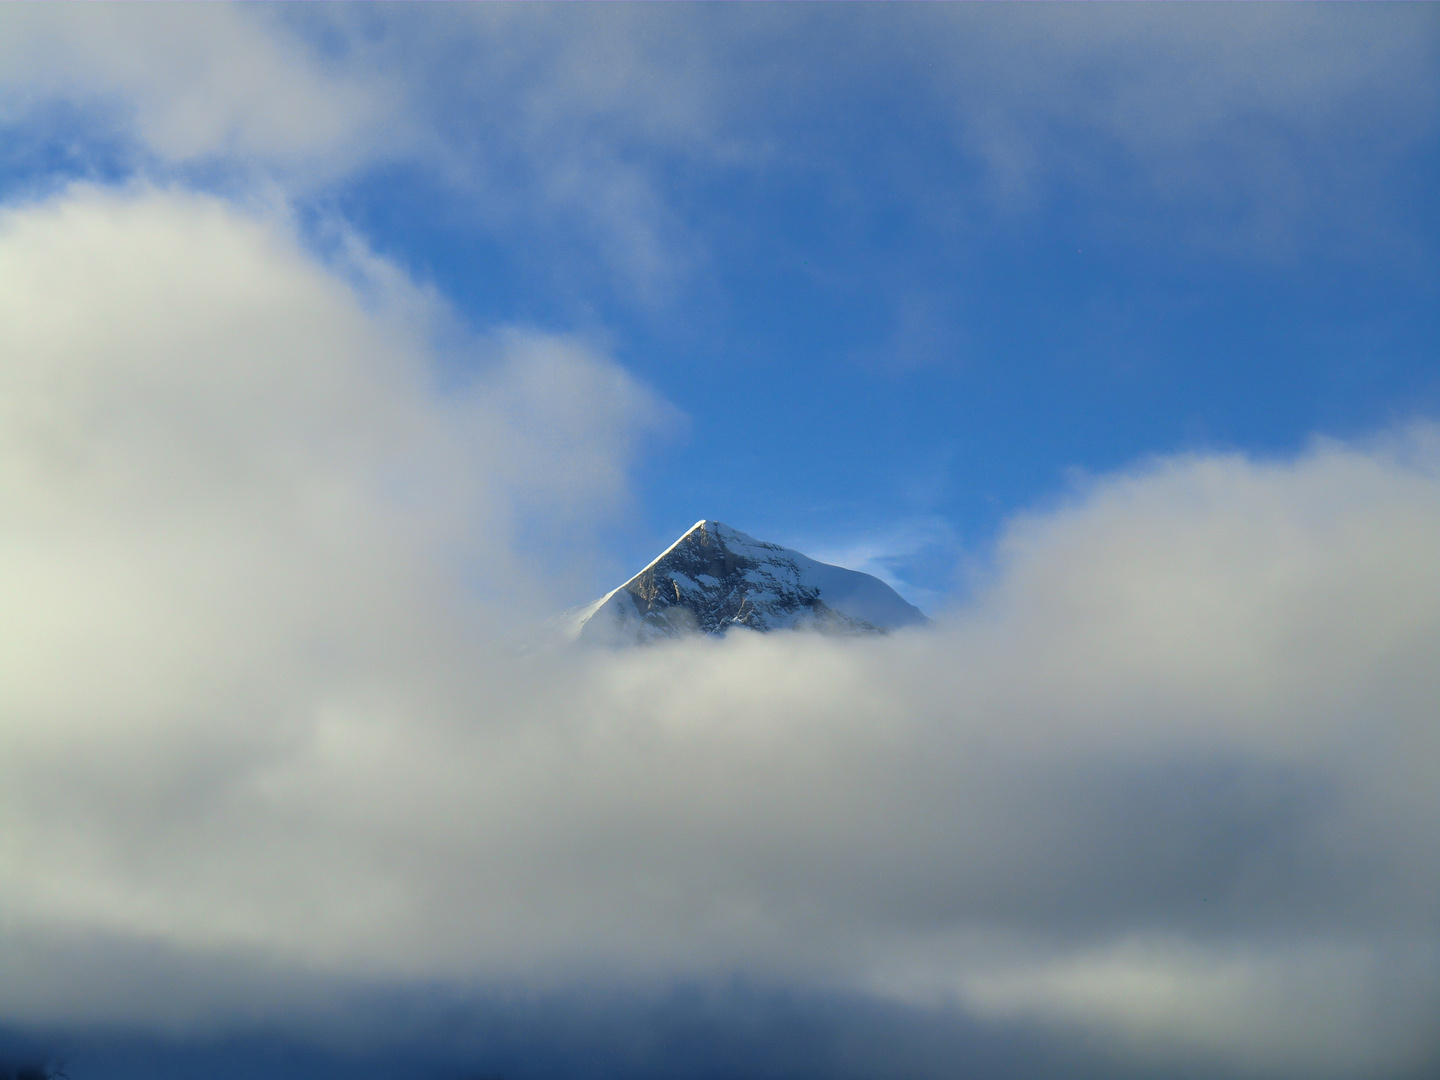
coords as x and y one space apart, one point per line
714 578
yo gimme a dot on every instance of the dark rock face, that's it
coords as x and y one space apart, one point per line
715 578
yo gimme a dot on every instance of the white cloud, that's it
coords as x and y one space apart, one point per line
205 83
1318 1011
200 418
1246 127
255 721
1259 123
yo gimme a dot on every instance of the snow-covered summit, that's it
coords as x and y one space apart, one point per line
715 577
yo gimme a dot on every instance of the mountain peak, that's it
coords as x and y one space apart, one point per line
714 578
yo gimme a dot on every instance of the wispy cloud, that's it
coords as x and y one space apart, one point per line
892 552
1251 125
1238 128
217 84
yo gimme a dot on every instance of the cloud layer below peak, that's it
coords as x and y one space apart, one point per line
1167 779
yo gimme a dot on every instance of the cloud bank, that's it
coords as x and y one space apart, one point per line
1165 785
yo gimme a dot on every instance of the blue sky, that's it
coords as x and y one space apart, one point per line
341 345
868 326
904 272
899 302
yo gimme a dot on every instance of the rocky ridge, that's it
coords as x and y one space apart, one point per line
715 578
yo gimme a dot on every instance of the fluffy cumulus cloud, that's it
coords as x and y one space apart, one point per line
1164 786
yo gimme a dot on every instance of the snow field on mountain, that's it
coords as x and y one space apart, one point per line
755 585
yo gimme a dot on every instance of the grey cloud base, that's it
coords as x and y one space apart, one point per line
1164 790
691 1031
